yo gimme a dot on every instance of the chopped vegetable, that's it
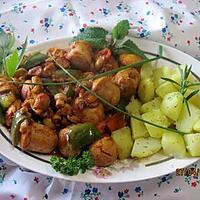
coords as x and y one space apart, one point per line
16 122
34 59
196 126
146 71
144 147
72 166
186 122
165 88
116 121
193 143
124 142
133 106
138 128
157 117
82 135
160 72
173 144
172 104
7 99
151 105
146 90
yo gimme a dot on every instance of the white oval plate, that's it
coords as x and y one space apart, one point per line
121 171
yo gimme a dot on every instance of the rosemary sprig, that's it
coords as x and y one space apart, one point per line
114 107
184 85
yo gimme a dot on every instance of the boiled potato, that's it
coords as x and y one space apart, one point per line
133 106
146 71
144 147
122 138
196 126
156 117
138 128
193 143
173 144
186 122
160 72
176 75
172 104
151 105
165 88
146 90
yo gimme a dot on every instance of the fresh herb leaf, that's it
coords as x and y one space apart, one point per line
96 36
22 53
191 94
130 47
120 30
7 41
93 32
170 80
72 166
11 63
187 105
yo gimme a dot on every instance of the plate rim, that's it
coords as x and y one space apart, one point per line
69 178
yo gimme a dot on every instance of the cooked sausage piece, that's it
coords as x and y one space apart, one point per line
37 137
65 147
104 61
127 59
41 103
6 86
128 81
105 88
80 55
93 115
104 151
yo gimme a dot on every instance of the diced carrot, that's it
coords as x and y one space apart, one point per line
115 122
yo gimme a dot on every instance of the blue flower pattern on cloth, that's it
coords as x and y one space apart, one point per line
174 22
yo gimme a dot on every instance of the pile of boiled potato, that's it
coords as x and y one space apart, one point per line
160 102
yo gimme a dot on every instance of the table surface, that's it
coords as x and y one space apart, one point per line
174 22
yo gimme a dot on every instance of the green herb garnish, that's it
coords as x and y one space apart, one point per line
9 63
97 37
184 85
72 166
120 30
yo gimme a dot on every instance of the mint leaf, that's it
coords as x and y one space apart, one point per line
130 47
96 36
97 32
11 63
120 30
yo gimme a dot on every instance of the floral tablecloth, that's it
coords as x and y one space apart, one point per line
173 22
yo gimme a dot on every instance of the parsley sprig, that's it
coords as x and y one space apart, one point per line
72 166
184 85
